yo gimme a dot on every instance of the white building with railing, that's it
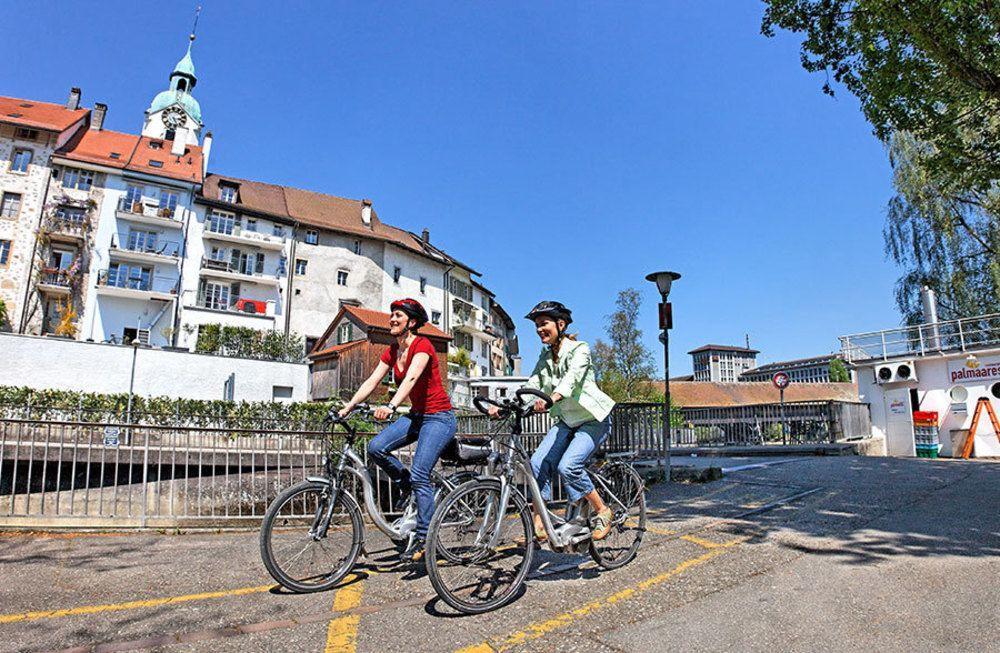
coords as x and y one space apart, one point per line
939 367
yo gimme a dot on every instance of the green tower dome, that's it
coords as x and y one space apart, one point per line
182 81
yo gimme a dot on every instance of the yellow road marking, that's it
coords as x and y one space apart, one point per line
702 542
130 605
542 628
660 531
342 633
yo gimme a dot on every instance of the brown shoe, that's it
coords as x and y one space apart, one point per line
602 524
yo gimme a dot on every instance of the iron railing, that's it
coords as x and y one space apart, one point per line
923 339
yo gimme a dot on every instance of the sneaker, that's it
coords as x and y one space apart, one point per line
414 551
602 524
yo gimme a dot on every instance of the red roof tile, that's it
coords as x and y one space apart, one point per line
39 115
134 153
380 320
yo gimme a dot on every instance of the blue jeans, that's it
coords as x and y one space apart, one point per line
432 433
567 450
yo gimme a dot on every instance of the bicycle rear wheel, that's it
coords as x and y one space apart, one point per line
293 555
625 495
479 552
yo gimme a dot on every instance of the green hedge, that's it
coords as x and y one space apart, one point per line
20 402
245 342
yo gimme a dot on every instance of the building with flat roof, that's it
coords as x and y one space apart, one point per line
801 370
722 363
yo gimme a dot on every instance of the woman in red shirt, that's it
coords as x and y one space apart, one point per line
430 423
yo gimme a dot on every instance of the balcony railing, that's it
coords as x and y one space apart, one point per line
247 268
146 209
231 228
923 339
55 277
75 227
117 278
240 305
145 245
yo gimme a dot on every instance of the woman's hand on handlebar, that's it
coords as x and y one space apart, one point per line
493 411
345 411
383 413
540 406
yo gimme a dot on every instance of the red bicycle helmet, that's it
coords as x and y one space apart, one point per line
413 309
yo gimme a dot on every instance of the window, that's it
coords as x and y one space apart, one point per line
485 350
221 223
312 237
133 194
300 266
279 231
4 253
216 296
251 225
281 392
132 334
21 160
121 275
61 259
153 163
227 193
141 241
357 247
170 135
396 273
27 134
78 179
70 214
484 301
423 285
341 277
435 317
344 333
461 289
10 205
168 202
310 344
156 145
282 264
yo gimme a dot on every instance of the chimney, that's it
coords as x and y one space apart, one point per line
73 102
366 212
177 146
426 237
97 116
929 300
206 149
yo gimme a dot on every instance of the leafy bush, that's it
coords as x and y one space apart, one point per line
245 342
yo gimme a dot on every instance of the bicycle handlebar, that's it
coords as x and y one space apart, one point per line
509 406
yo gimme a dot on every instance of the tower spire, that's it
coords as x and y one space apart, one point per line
194 28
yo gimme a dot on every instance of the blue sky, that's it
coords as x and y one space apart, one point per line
563 149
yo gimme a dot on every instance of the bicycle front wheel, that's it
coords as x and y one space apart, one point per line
297 551
478 551
624 492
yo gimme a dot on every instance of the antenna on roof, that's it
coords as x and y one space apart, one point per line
748 340
194 28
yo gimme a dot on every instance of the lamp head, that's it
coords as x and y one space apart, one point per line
663 280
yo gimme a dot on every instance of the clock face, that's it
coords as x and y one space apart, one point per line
174 118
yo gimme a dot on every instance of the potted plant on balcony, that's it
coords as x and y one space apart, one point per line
136 206
165 212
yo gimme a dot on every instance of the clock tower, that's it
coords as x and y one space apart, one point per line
174 114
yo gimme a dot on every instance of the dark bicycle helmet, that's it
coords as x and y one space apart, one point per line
413 310
555 310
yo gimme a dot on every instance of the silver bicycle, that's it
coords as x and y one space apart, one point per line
481 541
313 532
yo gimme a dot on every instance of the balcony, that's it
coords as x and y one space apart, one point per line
114 283
471 323
211 267
228 231
242 305
148 212
68 230
457 372
142 249
970 333
55 282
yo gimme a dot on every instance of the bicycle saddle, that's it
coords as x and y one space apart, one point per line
468 450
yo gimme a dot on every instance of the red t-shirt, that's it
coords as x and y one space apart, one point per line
428 395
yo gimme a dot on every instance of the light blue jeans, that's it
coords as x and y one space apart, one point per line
566 450
432 433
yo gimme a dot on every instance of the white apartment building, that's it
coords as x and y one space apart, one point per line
722 363
137 241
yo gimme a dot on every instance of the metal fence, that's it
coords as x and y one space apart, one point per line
68 472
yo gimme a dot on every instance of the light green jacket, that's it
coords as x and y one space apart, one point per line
573 378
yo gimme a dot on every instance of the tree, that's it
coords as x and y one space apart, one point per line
928 67
941 236
838 372
624 366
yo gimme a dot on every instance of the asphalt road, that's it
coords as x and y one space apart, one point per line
837 554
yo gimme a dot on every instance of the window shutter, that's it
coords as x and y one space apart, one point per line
234 293
260 263
234 259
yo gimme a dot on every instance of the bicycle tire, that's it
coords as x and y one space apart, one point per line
350 507
446 594
637 497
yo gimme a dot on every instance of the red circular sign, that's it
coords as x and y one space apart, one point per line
780 380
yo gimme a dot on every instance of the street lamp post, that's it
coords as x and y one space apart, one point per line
663 281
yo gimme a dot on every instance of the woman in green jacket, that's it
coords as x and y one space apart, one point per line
582 412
